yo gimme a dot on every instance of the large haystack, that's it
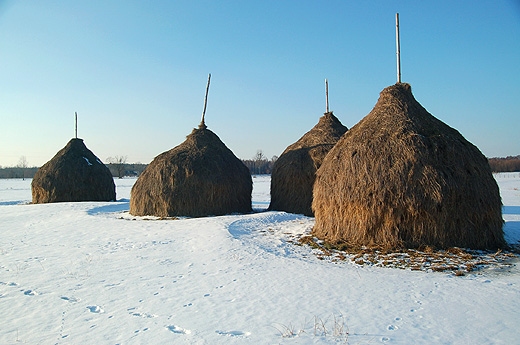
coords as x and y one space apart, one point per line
73 174
200 177
294 172
401 177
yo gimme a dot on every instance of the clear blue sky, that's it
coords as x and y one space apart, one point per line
136 71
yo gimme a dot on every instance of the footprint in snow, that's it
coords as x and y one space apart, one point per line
30 293
144 315
70 299
95 309
138 330
234 333
12 284
392 327
177 329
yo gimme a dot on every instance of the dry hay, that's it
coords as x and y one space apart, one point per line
200 177
402 178
294 172
73 174
457 260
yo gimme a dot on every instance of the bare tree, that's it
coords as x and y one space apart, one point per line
22 165
259 160
259 156
119 163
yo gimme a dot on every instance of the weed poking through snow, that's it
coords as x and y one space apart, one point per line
333 327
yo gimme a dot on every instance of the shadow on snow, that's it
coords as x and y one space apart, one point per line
118 206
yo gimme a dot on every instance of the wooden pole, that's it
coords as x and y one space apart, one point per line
326 96
398 47
202 122
76 121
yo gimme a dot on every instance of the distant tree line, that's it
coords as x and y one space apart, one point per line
21 170
17 172
507 164
257 165
127 169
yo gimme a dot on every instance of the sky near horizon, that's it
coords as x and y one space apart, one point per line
136 71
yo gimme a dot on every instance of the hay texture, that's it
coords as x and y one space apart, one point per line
401 177
200 177
73 174
294 171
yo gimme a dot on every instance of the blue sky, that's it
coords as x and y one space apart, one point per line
136 71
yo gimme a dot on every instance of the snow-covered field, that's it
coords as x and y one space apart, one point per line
90 273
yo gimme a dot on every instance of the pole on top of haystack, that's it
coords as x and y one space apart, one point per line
202 122
398 47
326 96
76 124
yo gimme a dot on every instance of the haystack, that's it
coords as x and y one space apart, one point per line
401 177
73 174
200 177
294 172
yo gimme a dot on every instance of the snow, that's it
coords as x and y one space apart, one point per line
86 159
90 273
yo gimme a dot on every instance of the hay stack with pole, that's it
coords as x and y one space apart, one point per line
403 178
73 174
200 177
294 172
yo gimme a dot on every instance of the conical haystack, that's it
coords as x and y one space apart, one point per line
73 174
401 177
294 172
200 177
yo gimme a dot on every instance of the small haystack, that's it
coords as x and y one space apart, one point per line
401 177
294 172
200 177
73 174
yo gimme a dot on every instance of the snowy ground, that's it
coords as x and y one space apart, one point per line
90 273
